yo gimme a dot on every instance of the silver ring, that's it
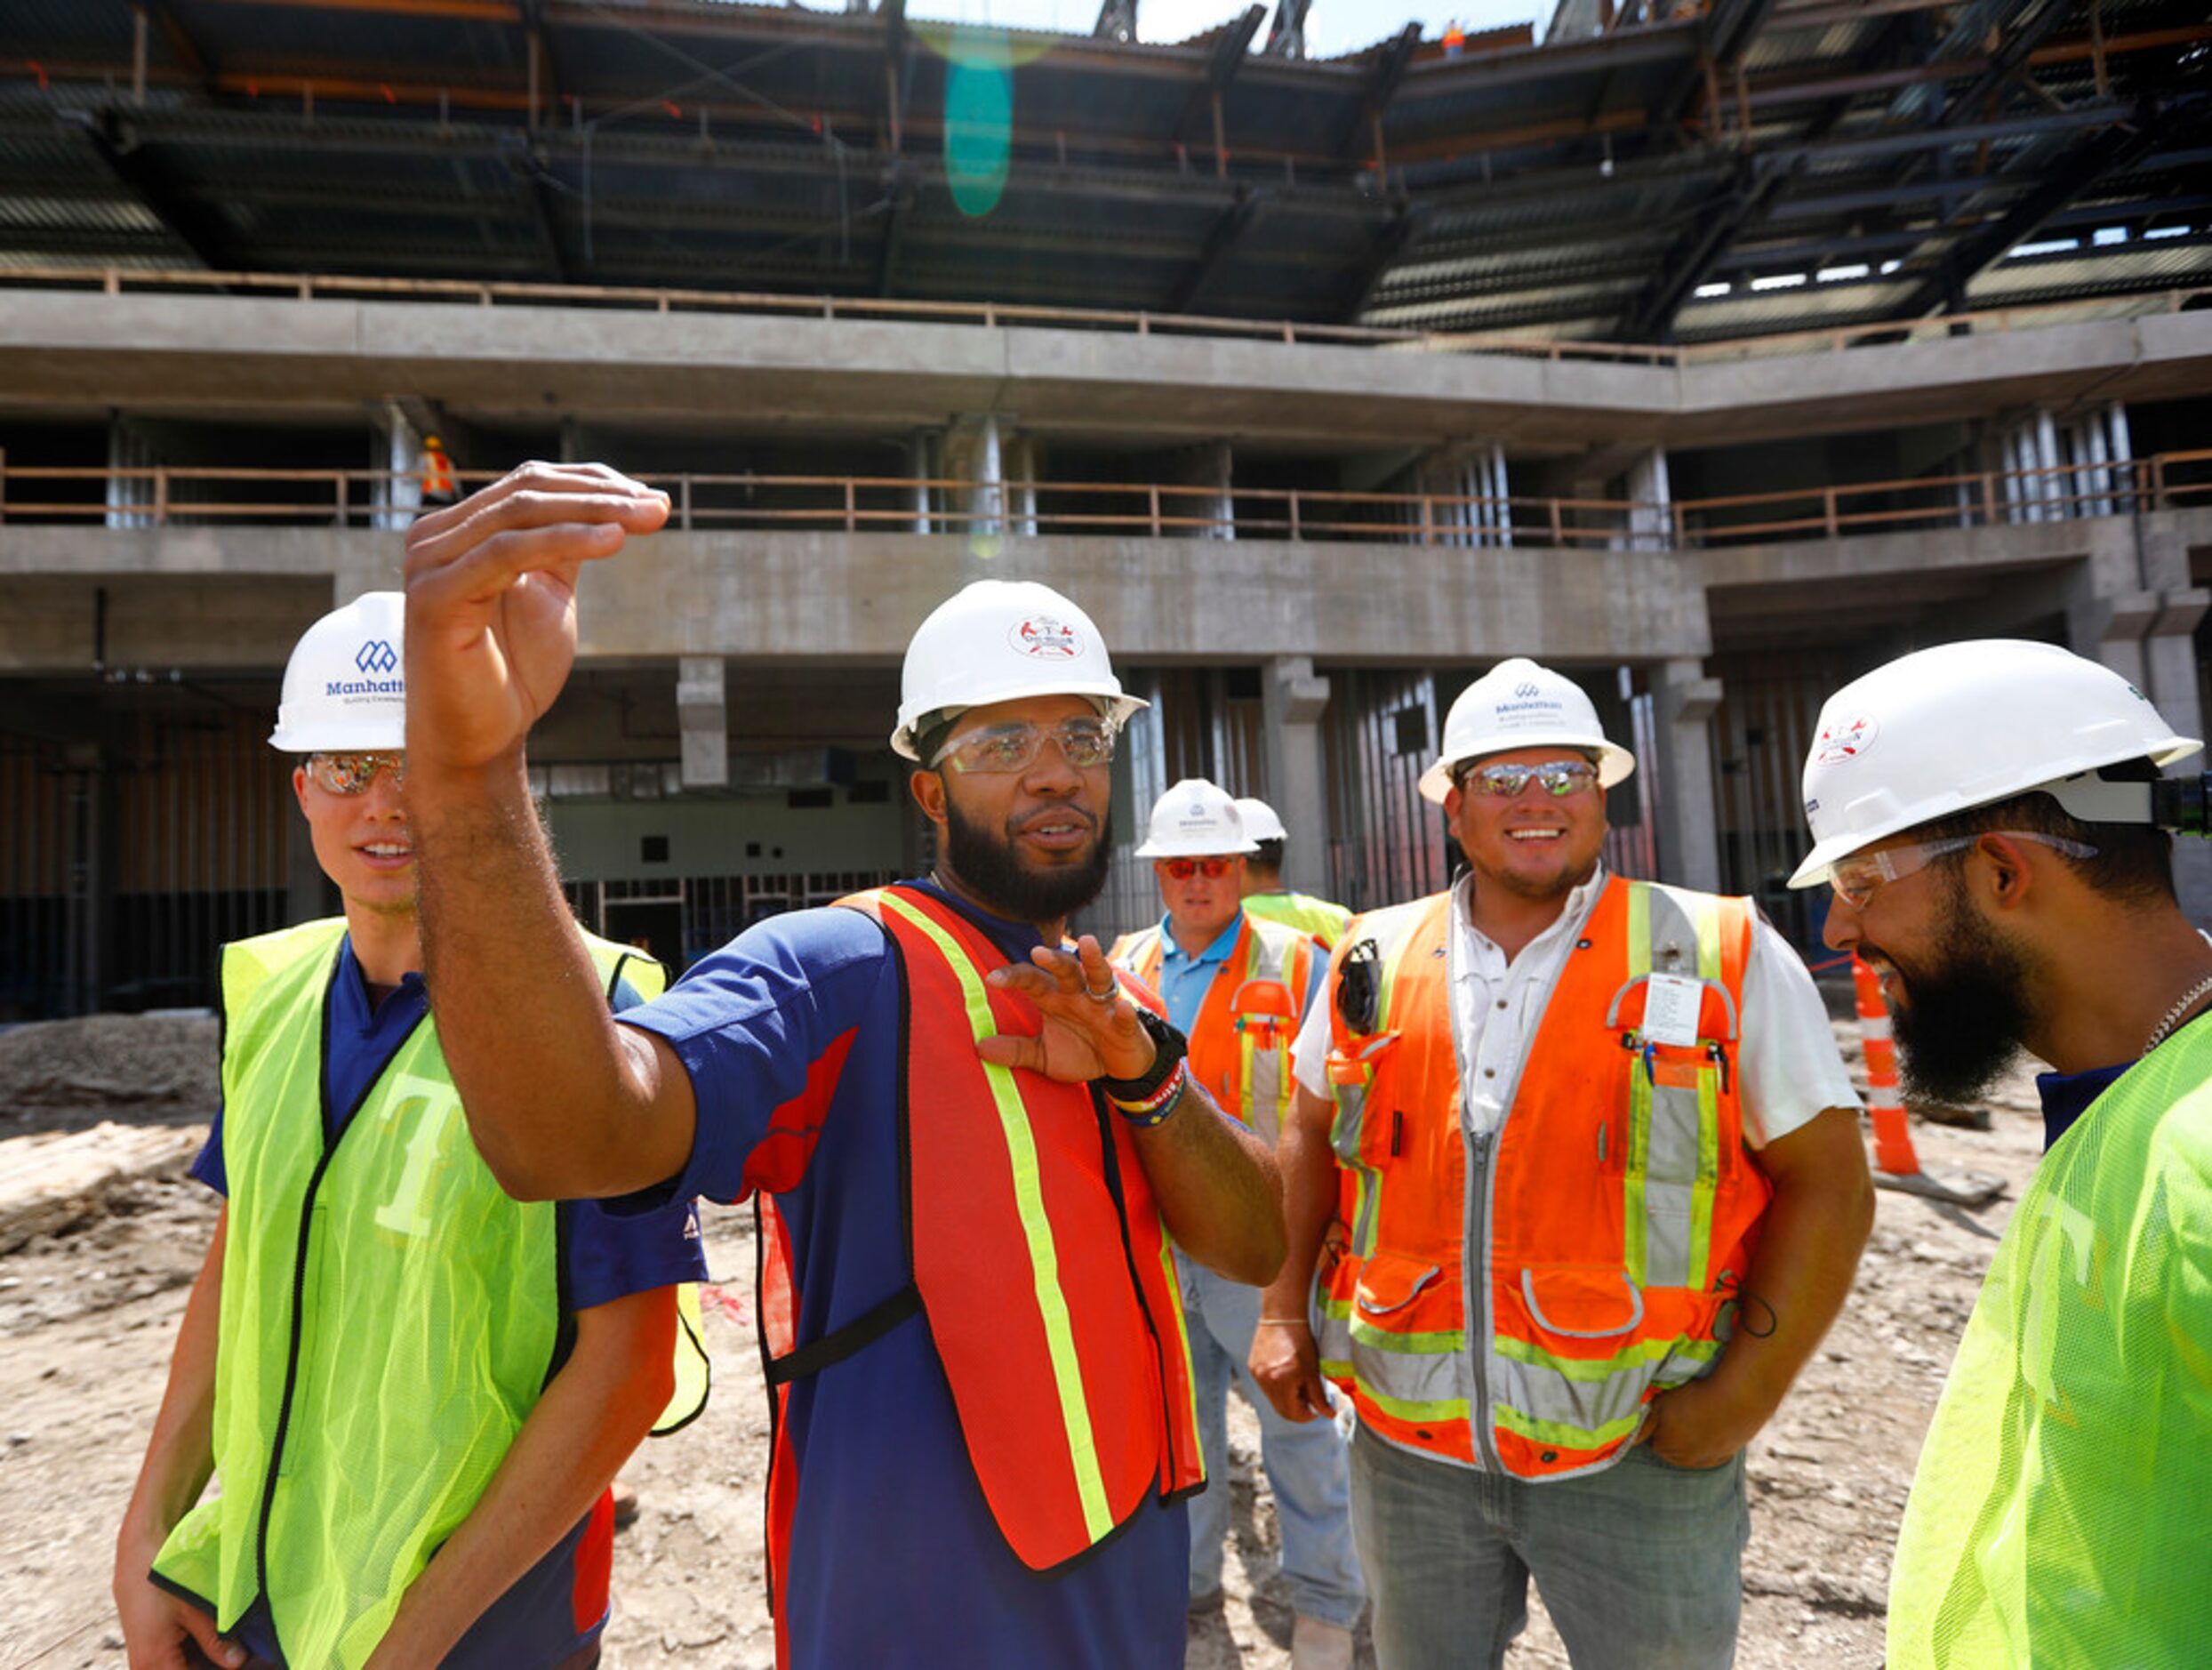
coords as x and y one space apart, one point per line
1112 991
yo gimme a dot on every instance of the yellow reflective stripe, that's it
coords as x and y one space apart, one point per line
1705 913
1707 916
1593 1370
1051 1303
1243 1110
1412 1409
1561 1434
1635 1227
1438 1345
1182 1339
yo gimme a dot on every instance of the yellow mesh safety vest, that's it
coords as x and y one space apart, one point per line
2062 1511
388 1318
1325 921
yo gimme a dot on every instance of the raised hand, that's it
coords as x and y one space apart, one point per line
492 603
1083 1036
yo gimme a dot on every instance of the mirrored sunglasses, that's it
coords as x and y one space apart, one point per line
1183 869
352 774
1015 745
1559 778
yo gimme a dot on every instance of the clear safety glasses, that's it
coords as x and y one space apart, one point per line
352 774
1854 879
1183 869
1014 745
1559 778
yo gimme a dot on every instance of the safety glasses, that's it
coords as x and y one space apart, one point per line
1854 879
1183 869
1559 778
352 774
1015 745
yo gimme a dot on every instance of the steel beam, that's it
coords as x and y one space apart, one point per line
117 145
1221 65
1389 75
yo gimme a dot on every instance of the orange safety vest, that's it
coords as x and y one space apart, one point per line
437 474
1240 1043
1612 1212
1039 1259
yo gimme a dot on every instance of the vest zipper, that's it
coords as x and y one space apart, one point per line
1474 1283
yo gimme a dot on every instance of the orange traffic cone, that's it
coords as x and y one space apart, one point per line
1895 1165
1893 1134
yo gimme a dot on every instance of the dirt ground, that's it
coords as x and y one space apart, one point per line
91 1294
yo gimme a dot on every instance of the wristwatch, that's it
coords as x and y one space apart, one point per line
1168 1047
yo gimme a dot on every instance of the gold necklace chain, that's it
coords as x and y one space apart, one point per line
2187 1001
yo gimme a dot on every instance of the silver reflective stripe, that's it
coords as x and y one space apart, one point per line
1446 1377
1545 1394
1671 1161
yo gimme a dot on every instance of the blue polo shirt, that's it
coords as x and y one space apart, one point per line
1184 979
791 1035
605 1256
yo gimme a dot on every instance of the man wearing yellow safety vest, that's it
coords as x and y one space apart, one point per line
1588 1171
385 1359
1264 892
968 1141
1983 814
1235 985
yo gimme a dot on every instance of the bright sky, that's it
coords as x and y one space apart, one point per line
1332 27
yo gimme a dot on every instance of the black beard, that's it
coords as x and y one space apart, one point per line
987 868
1961 1024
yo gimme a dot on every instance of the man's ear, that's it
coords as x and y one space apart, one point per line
2008 876
928 789
300 787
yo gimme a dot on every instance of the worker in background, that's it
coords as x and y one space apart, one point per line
385 1358
1265 895
1979 811
439 488
1235 985
1589 1171
968 1142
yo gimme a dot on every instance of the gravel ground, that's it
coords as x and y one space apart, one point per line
87 1318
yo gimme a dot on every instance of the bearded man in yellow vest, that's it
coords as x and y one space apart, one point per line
415 1390
1988 816
1588 1173
968 1140
1235 985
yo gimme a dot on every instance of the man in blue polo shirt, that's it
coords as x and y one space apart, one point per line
1237 985
385 1358
968 1145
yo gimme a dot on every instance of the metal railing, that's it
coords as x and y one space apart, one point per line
993 314
159 496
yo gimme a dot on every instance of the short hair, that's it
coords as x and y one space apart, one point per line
931 735
1268 854
2133 864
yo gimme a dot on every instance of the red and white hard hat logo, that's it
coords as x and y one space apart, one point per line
1044 638
1846 739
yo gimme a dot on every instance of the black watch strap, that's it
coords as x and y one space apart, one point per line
1169 1047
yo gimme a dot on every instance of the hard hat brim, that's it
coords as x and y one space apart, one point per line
1205 849
1616 763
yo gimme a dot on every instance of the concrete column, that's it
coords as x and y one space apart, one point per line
987 499
129 448
1293 700
1683 698
1021 454
2170 666
921 456
1650 521
1216 469
702 717
397 451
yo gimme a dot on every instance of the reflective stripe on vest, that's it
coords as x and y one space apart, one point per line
2058 1512
1042 1265
352 1274
1621 1209
1241 1041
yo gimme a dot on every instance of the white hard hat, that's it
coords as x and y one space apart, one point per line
998 641
1944 730
345 685
1260 821
1196 819
1519 704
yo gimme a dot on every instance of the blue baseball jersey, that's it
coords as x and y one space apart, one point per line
888 1551
560 1603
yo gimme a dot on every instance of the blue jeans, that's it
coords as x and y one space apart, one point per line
1640 1566
1304 1461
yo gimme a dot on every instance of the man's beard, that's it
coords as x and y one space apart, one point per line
989 867
1961 1024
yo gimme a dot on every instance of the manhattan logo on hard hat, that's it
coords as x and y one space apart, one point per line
375 657
1044 638
1846 739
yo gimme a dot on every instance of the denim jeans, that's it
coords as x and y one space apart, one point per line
1304 1461
1639 1566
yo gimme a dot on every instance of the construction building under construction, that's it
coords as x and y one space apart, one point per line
1712 352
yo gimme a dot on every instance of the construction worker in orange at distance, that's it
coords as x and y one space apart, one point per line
1455 39
1235 985
1590 1169
1264 892
438 487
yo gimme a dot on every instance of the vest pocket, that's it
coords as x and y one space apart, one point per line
1389 1284
1582 1301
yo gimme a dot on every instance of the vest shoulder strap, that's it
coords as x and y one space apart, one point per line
617 963
248 963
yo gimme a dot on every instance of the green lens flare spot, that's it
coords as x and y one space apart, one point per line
979 131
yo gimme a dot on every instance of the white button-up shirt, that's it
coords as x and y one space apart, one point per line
1786 1060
